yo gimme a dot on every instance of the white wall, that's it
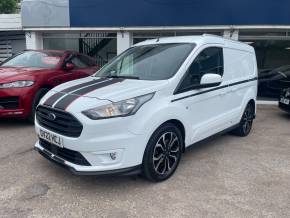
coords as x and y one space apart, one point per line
34 40
10 22
45 13
124 41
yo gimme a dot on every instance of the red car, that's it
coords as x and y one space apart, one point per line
28 76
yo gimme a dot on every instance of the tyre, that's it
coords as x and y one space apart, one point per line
246 122
163 153
39 94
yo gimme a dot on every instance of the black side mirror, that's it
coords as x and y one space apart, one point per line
69 66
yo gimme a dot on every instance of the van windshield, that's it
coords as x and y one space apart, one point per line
148 62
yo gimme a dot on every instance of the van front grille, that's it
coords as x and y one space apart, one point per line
58 121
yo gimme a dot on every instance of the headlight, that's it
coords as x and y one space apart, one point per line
118 109
16 84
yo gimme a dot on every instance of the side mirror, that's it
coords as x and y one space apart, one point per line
210 80
69 66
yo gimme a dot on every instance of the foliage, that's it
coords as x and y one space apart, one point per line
8 6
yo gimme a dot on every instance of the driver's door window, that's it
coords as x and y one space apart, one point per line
210 60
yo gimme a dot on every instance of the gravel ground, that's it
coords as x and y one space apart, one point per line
226 176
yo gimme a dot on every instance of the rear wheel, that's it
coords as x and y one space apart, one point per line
163 153
39 94
246 123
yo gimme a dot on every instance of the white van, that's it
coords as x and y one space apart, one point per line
139 112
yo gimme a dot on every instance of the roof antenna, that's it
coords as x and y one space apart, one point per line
157 40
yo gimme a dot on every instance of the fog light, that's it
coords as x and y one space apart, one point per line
113 155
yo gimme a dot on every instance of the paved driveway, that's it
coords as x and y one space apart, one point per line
226 176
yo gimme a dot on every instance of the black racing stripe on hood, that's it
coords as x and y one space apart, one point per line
52 99
55 97
67 100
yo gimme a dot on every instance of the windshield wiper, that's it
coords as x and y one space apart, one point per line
125 77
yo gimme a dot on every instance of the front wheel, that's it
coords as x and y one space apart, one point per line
246 122
163 153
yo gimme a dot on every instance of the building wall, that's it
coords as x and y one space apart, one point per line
12 39
10 22
45 13
125 13
263 24
141 13
11 42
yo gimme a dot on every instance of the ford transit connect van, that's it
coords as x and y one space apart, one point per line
139 112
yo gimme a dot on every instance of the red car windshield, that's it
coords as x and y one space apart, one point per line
34 59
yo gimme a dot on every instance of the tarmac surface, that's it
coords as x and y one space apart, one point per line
226 176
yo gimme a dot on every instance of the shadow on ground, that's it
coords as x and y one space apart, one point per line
285 115
12 122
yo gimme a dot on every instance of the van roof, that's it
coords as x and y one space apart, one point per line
199 40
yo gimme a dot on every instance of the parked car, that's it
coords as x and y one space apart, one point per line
284 102
273 81
140 111
28 76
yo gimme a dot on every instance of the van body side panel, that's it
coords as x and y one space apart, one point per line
205 109
221 107
241 67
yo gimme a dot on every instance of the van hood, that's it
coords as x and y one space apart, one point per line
110 89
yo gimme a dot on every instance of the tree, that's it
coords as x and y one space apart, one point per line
8 6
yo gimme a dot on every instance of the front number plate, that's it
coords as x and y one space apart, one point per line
285 101
50 137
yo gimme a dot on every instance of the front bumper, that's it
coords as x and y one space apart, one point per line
61 162
108 148
7 113
16 102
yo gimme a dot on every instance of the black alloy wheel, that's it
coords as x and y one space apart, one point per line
163 153
246 123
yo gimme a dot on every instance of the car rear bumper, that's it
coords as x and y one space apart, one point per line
284 107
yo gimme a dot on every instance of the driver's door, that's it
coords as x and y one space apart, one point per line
207 107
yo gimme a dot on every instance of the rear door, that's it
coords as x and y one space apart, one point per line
240 65
207 107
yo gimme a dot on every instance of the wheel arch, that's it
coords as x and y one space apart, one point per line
250 97
253 103
180 126
46 86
